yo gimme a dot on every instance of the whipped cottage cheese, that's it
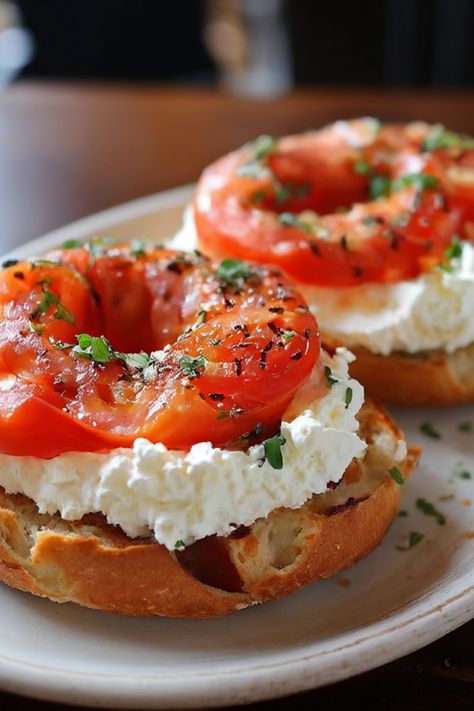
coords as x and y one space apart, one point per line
432 312
184 496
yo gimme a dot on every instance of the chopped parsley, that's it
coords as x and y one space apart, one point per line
99 350
288 335
136 360
348 397
192 365
138 248
396 475
273 454
363 167
288 219
403 513
463 474
454 251
285 191
233 272
329 376
49 299
71 244
97 246
261 148
379 186
421 180
413 539
180 544
428 430
440 138
96 348
430 510
465 426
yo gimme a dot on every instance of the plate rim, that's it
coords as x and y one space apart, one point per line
402 632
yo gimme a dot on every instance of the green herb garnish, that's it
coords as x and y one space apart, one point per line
180 544
71 244
463 474
403 513
379 186
329 376
49 299
396 475
428 430
430 510
414 538
290 220
285 191
99 350
439 137
232 272
288 335
263 146
138 248
348 397
421 180
465 426
363 167
273 454
454 251
96 348
192 365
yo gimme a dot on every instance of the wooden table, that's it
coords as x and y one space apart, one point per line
69 150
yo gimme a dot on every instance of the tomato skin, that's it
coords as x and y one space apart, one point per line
321 168
254 348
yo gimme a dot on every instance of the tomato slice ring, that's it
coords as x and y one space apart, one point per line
277 202
97 350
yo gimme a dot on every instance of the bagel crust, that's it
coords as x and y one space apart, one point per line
96 565
414 379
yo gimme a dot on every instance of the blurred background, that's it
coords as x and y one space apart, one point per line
102 101
253 47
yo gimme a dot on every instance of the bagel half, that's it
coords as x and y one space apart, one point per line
414 379
96 565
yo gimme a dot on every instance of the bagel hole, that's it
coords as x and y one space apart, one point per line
208 561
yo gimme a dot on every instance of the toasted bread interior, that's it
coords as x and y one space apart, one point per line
95 564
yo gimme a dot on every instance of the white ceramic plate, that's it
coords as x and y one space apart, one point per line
386 606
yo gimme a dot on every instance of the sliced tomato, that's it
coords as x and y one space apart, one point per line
306 206
236 353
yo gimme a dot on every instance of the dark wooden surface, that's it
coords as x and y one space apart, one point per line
69 150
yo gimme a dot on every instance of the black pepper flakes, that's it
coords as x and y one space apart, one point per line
238 366
263 356
314 248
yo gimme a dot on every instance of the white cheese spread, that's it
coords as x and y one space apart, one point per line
432 312
180 497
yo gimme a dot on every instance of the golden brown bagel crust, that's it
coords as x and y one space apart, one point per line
96 565
421 379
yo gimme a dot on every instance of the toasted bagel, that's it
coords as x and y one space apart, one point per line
414 379
96 565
